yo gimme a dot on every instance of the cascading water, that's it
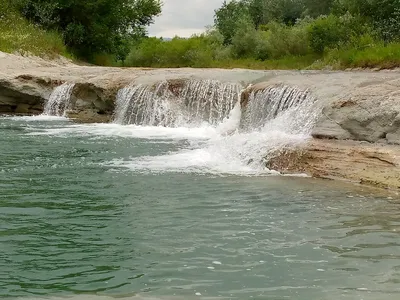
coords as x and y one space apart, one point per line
143 105
228 140
208 129
196 102
210 100
59 100
267 104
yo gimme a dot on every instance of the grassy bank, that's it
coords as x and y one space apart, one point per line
18 35
309 44
375 55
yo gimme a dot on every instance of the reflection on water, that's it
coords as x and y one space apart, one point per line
71 226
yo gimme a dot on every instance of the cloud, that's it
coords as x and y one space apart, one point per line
184 17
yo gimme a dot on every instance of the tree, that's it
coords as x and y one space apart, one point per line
316 8
244 41
96 26
383 14
227 17
257 11
286 11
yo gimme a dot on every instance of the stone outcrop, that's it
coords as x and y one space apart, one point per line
369 113
360 162
22 96
358 127
353 107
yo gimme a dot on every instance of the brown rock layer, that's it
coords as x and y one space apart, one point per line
366 163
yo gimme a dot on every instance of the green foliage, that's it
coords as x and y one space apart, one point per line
376 55
96 26
197 51
283 40
260 34
285 11
226 18
326 32
18 35
383 14
246 39
332 31
316 8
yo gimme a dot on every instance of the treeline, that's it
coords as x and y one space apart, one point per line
87 28
285 34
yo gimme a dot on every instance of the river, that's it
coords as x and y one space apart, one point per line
141 212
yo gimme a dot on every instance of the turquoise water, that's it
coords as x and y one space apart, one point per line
92 211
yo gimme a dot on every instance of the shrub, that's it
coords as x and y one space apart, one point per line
197 51
283 40
328 32
246 39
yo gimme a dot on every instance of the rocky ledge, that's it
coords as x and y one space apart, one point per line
356 137
373 164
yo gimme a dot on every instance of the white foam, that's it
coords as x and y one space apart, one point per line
37 118
232 123
240 153
130 131
59 100
225 149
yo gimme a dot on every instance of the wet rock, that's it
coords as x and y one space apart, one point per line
91 97
22 97
89 116
23 108
360 162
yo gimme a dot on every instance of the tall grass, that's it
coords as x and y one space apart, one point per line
377 55
18 35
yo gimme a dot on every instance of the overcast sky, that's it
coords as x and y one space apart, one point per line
184 17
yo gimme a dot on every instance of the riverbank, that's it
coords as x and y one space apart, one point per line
356 137
374 164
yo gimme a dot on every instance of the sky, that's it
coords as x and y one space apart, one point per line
184 17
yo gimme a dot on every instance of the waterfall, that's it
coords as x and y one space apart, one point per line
59 100
195 102
145 105
210 100
269 103
210 129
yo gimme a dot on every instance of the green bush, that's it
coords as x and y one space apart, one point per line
95 26
246 39
197 51
328 32
384 15
283 40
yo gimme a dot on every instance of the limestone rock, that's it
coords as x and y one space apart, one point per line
360 162
368 113
16 96
356 105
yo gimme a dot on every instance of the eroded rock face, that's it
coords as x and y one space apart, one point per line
368 113
361 109
91 103
22 97
361 162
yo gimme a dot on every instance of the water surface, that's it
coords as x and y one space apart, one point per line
93 211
